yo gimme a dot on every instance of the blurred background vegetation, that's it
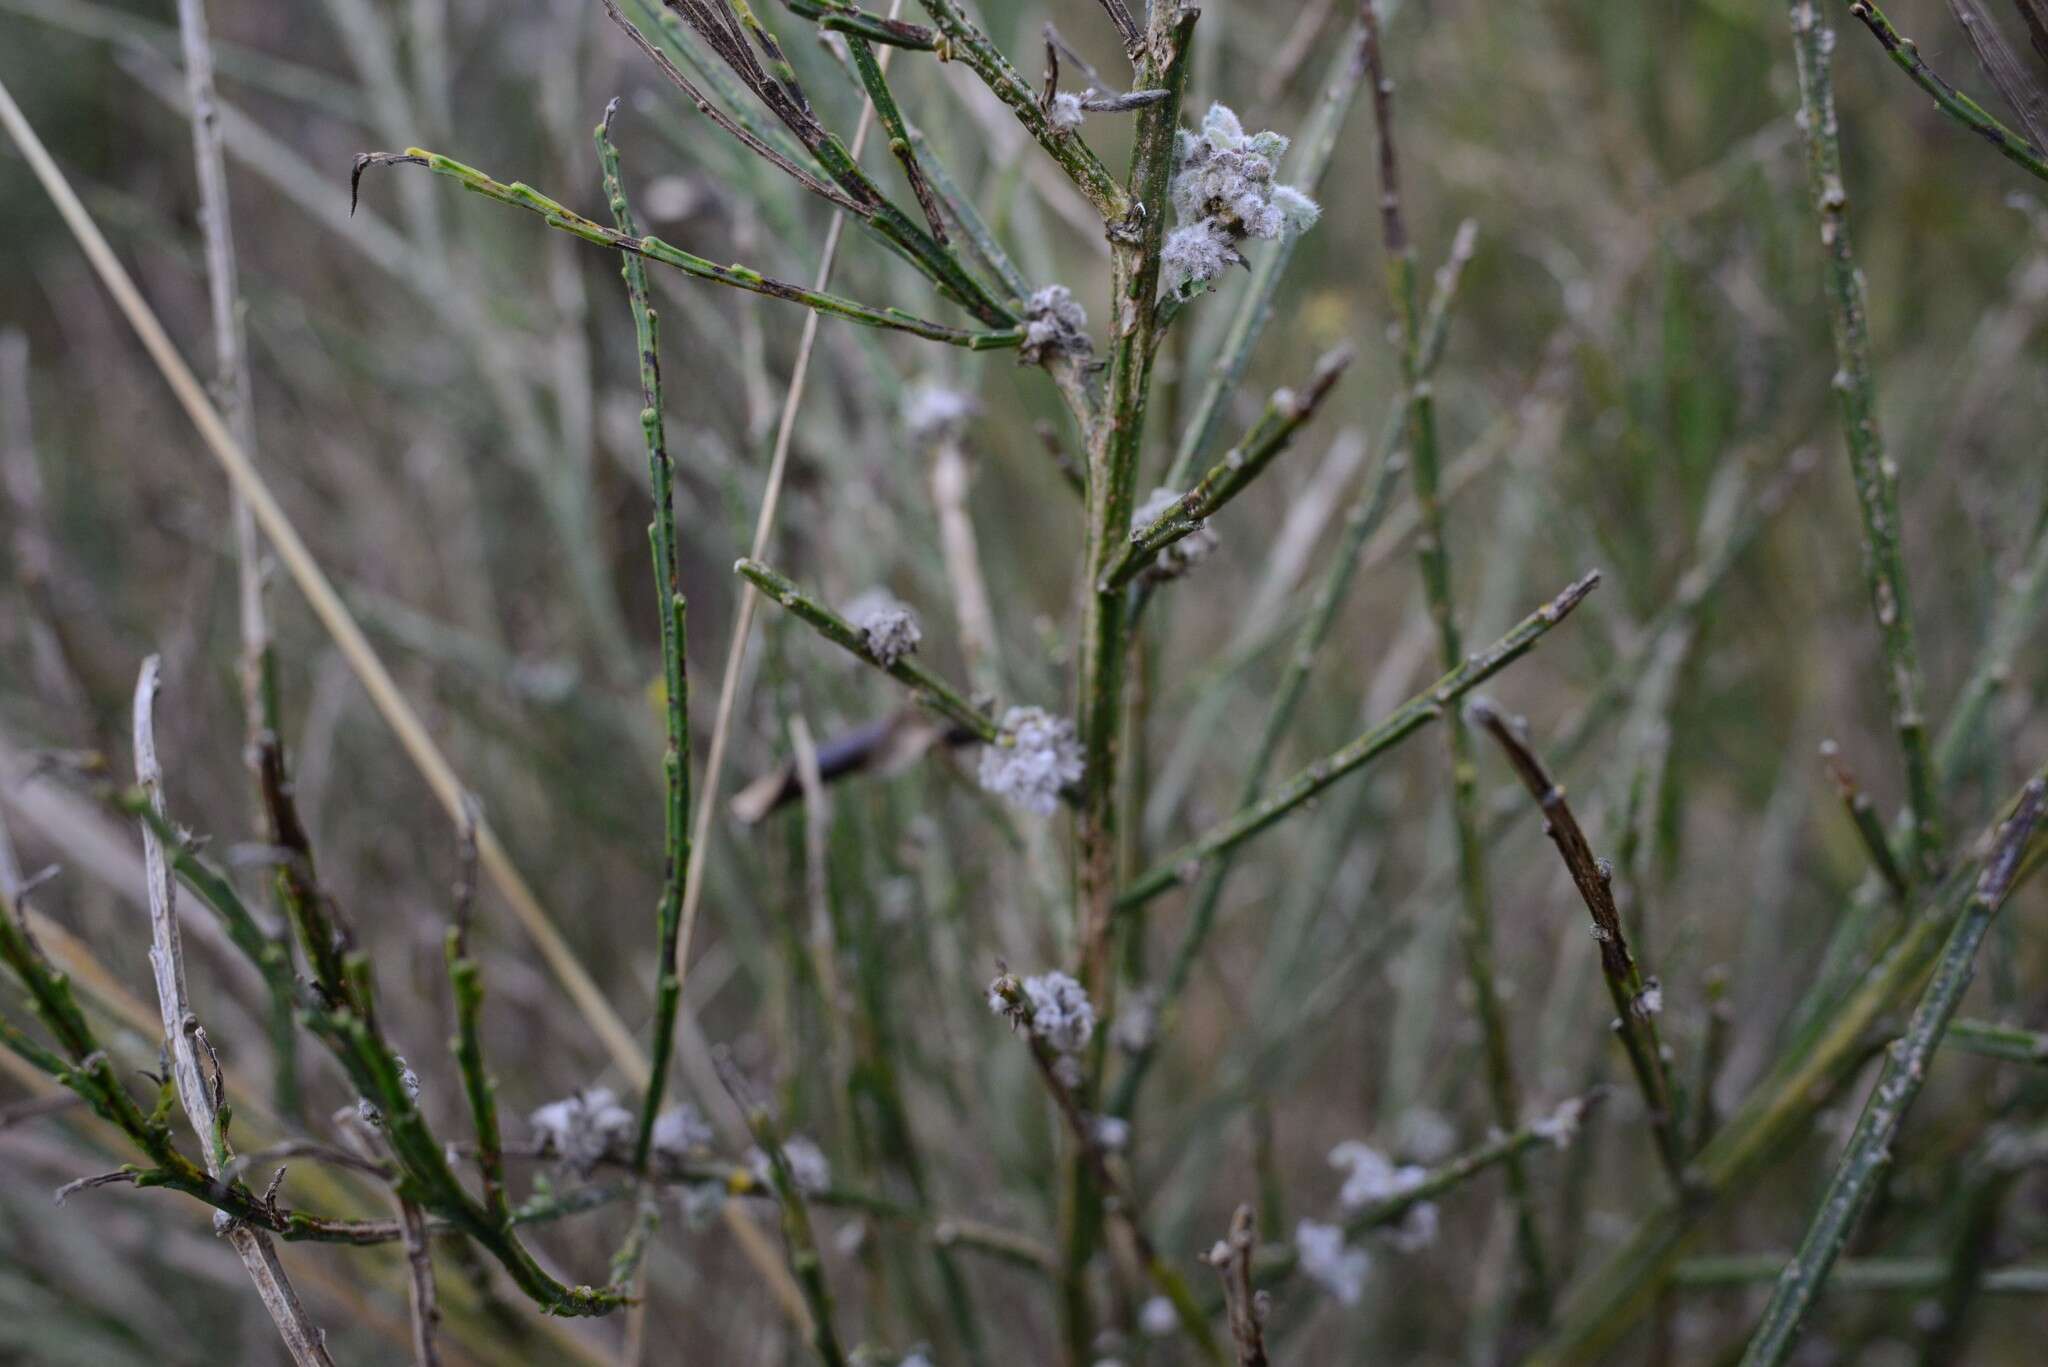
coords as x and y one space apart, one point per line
446 401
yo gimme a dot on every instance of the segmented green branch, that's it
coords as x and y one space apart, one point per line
1905 54
804 1259
1419 711
1875 476
1285 415
522 196
675 759
840 16
1778 1110
960 39
1869 1152
934 692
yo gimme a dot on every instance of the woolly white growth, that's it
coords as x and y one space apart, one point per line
407 1079
1066 1070
1223 192
1194 253
679 1130
1561 1126
1220 126
1417 1229
1427 1135
1158 1318
581 1129
703 1202
1298 213
1184 554
1061 1013
1035 758
932 410
1330 1262
807 1164
1137 1021
1111 1133
1649 1001
1054 323
1066 111
888 626
914 1360
1373 1176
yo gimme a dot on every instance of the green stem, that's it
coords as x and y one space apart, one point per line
1863 816
1992 1040
1411 716
961 40
1779 1110
672 621
1869 1153
522 196
804 1258
935 693
1286 413
876 84
838 16
1114 450
1875 476
1890 1275
1905 53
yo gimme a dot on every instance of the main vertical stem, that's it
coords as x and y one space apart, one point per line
1113 451
1113 466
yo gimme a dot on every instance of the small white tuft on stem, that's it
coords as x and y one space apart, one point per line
407 1079
1061 1013
807 1164
1181 556
581 1129
1158 1319
1330 1262
1561 1126
1223 192
681 1130
934 411
1055 324
1036 756
888 627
